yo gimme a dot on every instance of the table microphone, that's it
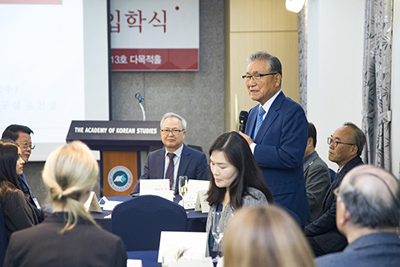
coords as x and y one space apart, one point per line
242 120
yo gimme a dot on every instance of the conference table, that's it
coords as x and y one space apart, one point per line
196 220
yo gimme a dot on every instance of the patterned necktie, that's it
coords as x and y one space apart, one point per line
261 113
170 170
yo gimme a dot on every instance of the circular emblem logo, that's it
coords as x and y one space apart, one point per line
120 178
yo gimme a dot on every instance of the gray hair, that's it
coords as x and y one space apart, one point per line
369 199
359 137
171 114
273 63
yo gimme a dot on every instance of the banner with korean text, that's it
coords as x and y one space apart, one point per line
154 35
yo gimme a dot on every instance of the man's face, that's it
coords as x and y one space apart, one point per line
25 143
342 153
266 87
172 141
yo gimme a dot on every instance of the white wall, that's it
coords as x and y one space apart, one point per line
396 89
335 61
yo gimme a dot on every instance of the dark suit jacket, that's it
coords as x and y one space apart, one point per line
193 164
379 249
18 212
84 245
324 230
281 142
318 180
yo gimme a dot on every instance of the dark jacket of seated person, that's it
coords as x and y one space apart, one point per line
84 245
18 213
69 236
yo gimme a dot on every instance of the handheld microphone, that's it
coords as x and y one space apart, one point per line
242 120
139 97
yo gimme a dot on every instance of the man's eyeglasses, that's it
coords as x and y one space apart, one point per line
335 143
174 132
26 145
256 77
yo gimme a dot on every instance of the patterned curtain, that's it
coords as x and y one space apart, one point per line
302 29
377 82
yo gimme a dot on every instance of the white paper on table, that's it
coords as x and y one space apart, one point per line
171 243
154 185
110 205
195 185
134 263
206 262
164 194
201 202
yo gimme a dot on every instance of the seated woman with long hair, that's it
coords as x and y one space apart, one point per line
17 210
265 237
69 236
235 180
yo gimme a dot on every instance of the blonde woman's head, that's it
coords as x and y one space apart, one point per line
70 173
265 236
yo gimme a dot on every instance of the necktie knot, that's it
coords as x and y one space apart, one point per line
171 155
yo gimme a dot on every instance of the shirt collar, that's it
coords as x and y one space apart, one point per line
177 152
268 104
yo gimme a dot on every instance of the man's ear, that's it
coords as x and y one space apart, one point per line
278 79
344 214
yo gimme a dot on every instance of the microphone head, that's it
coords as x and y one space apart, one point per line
243 116
242 120
139 97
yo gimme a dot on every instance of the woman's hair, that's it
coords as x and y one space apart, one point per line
8 163
238 153
265 236
69 172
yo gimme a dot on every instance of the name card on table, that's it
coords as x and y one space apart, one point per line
91 203
157 187
194 186
134 263
182 246
201 202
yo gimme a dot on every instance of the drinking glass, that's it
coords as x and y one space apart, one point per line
217 231
183 185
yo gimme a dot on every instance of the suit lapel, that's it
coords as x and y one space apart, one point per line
184 163
272 114
251 121
160 161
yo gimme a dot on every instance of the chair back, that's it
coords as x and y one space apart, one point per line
139 221
333 174
3 238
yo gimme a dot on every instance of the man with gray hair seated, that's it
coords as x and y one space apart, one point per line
368 214
175 159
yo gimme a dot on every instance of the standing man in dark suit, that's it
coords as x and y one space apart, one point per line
175 159
368 214
316 174
345 147
276 131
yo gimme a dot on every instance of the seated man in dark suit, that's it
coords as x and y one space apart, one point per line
316 174
175 159
22 136
345 147
368 214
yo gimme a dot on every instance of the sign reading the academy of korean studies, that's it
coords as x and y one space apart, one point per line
154 35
